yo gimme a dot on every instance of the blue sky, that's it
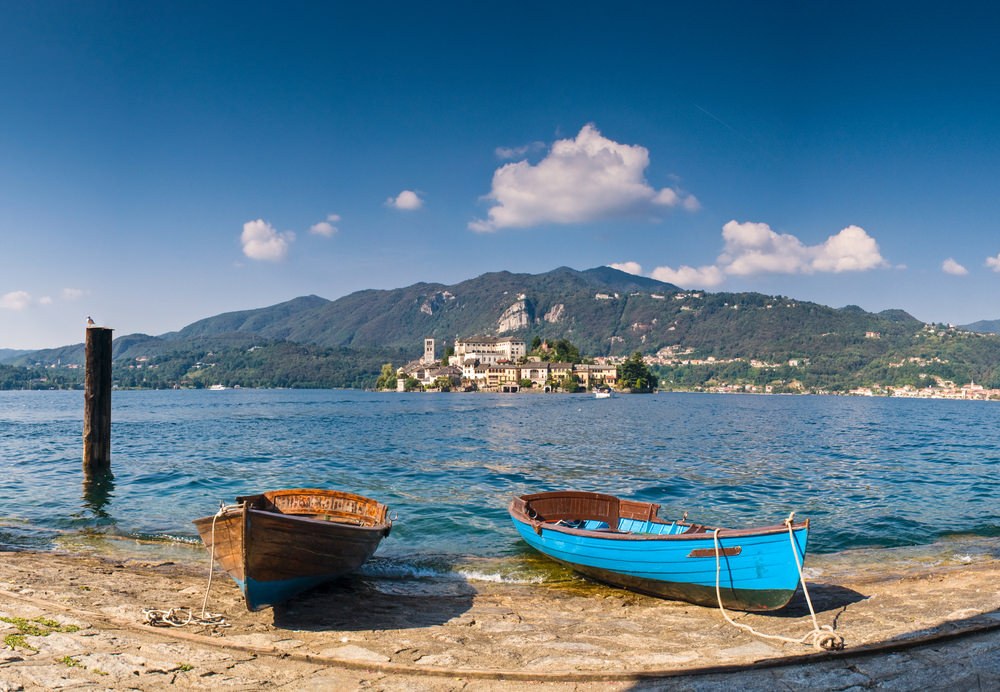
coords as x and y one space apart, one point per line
165 162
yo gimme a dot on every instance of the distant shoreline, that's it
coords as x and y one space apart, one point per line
994 395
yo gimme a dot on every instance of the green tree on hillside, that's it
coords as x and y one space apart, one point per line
634 374
387 380
558 351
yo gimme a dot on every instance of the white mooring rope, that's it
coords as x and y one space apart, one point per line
822 637
180 617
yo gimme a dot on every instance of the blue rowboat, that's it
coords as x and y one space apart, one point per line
280 543
624 543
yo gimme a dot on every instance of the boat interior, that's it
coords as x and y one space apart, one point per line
599 512
324 505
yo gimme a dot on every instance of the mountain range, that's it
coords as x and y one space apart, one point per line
984 327
602 311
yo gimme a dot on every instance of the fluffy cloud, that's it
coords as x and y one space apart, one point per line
580 180
671 198
325 228
993 263
407 200
690 277
262 242
15 300
627 267
950 266
753 248
851 250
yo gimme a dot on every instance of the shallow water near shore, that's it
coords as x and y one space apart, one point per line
918 476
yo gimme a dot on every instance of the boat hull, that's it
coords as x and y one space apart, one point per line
279 544
756 568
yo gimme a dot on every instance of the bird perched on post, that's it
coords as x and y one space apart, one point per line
90 321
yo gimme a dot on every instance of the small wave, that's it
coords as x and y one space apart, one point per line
166 538
140 537
14 521
386 569
497 578
449 570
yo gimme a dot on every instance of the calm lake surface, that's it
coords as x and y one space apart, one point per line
869 472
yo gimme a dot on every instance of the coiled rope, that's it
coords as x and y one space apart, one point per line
180 617
823 638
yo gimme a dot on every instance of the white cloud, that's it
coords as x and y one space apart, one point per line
627 267
753 248
691 203
667 197
685 276
518 152
326 228
580 180
851 250
690 277
407 200
950 266
15 300
993 263
262 242
45 300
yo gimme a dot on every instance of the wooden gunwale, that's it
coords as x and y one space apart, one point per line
521 507
681 537
336 505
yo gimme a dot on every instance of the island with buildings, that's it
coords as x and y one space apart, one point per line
504 364
499 364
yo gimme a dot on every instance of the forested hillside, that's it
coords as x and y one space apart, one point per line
311 341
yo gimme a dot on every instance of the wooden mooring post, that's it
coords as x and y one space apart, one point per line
97 403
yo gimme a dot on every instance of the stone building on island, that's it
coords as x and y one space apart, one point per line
499 364
488 350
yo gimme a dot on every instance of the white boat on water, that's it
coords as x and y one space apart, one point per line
218 387
602 393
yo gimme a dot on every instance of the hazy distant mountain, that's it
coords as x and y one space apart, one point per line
133 346
984 327
9 354
270 322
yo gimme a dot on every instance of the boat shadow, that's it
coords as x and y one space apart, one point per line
825 598
358 602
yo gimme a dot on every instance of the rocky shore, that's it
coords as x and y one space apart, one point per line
72 621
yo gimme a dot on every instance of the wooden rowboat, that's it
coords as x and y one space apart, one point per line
624 543
283 542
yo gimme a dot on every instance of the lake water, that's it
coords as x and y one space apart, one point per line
869 472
